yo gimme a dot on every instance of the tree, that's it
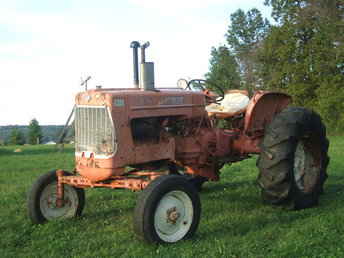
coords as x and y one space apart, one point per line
284 10
35 133
223 70
16 137
244 37
304 55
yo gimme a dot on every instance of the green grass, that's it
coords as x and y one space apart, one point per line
234 222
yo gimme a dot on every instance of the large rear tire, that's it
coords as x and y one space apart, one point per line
293 159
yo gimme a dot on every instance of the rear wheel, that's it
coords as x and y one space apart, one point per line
294 159
42 200
167 211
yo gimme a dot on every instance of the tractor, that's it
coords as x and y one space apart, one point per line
166 143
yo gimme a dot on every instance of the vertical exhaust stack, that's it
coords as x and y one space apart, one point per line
147 70
135 45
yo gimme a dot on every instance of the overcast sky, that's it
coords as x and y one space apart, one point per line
47 45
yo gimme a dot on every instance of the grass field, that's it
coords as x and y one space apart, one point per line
234 222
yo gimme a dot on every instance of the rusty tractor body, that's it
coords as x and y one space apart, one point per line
150 129
165 142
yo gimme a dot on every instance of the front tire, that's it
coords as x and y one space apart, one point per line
167 211
293 159
42 200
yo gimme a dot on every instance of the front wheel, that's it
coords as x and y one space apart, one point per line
42 200
294 159
167 211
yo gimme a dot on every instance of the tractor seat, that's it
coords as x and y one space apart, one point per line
234 103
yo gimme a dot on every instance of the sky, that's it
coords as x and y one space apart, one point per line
47 46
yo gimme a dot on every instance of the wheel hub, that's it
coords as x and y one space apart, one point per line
49 203
52 202
172 215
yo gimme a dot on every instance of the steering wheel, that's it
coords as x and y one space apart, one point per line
200 84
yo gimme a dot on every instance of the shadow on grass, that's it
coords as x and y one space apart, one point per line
260 217
108 210
105 213
107 203
221 186
4 152
333 189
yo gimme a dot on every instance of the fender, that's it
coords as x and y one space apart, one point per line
263 107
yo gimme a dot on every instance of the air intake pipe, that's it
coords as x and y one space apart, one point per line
135 45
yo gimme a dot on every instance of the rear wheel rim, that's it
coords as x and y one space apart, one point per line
299 165
307 167
48 202
173 216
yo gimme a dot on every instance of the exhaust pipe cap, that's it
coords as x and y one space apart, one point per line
134 44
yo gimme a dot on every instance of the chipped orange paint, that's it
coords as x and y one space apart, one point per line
137 181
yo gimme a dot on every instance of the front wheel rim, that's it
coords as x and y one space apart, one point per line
173 216
48 199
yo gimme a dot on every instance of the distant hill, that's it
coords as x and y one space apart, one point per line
50 132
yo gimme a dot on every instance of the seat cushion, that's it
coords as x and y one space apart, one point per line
234 103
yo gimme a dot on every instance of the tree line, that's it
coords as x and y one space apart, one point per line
301 54
34 135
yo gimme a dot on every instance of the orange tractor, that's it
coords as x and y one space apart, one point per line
166 143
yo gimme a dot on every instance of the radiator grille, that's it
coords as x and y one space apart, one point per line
94 131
